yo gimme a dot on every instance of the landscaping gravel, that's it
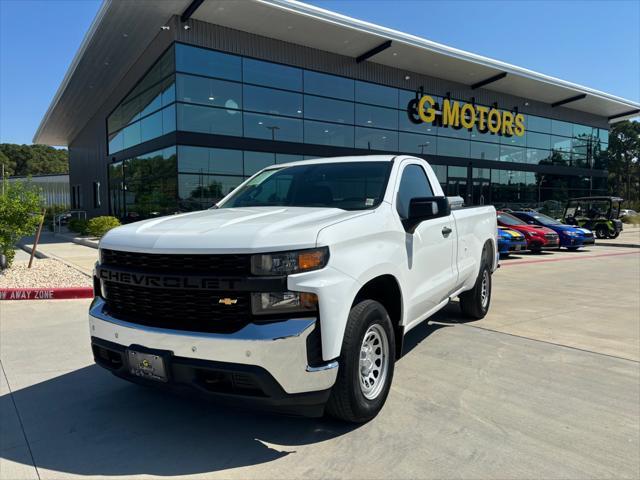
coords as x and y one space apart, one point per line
44 273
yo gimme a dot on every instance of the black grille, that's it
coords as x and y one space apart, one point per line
551 236
222 264
191 310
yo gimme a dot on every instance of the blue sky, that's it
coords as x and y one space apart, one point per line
593 43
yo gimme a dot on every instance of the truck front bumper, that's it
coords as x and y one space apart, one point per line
261 364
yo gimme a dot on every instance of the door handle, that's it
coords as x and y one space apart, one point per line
446 231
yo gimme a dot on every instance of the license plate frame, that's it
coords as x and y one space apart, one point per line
150 365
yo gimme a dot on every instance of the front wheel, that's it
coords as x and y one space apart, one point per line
475 302
366 364
614 234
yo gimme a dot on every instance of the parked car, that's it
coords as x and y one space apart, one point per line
510 241
296 290
570 237
538 238
598 214
625 212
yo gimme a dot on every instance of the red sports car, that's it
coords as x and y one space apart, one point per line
538 237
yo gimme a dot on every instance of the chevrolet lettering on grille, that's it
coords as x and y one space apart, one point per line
154 280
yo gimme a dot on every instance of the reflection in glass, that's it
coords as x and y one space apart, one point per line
453 147
328 134
485 151
256 161
207 62
209 160
209 91
327 109
197 192
376 117
275 102
414 143
272 128
328 85
195 118
271 74
376 94
374 139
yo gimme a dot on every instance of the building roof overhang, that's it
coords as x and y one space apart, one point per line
122 30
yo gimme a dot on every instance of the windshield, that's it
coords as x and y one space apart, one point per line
545 220
507 219
347 185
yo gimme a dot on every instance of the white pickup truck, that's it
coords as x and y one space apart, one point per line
296 290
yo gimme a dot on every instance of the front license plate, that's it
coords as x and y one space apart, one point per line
147 365
518 247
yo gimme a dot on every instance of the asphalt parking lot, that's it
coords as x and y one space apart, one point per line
546 386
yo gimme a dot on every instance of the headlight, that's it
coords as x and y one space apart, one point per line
571 234
283 302
532 234
286 263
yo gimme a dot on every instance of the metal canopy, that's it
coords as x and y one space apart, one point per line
106 54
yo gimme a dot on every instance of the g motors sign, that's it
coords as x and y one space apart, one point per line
456 114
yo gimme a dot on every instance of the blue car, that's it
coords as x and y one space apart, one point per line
510 241
571 237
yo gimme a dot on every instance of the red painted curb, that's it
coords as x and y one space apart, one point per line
45 293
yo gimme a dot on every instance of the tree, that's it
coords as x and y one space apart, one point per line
623 158
20 208
33 159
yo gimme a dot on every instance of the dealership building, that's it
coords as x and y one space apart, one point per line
167 106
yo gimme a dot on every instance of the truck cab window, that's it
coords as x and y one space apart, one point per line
414 183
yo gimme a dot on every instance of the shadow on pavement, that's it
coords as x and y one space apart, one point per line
88 422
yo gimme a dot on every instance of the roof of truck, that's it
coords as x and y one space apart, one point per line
353 158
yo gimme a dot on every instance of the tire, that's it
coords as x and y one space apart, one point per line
475 302
602 232
572 249
356 397
614 234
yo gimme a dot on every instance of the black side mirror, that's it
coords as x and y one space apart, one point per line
425 208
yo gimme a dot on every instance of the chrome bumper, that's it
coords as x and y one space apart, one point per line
279 347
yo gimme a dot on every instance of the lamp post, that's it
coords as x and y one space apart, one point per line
540 187
422 145
273 131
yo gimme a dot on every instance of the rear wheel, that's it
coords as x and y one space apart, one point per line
614 234
475 302
366 364
602 231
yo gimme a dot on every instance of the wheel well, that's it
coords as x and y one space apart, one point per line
386 290
488 248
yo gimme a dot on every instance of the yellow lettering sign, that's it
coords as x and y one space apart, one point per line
429 114
450 112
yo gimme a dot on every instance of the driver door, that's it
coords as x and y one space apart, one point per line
430 249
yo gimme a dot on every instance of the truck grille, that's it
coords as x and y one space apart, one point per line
221 264
190 310
186 309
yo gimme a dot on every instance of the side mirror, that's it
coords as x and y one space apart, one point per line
425 208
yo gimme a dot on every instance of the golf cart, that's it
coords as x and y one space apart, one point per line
599 214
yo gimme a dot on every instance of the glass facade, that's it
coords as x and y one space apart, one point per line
192 89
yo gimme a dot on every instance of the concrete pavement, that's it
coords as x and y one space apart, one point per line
547 386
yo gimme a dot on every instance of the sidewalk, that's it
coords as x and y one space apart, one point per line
62 248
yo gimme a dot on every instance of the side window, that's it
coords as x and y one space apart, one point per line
413 184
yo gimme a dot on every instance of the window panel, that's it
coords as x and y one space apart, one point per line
209 160
561 128
275 102
116 142
194 118
538 140
404 124
329 85
485 151
328 134
209 91
374 139
132 135
603 135
207 62
272 128
415 143
369 116
169 119
376 94
582 131
513 140
562 144
538 124
271 75
256 161
512 154
286 158
457 133
197 192
151 127
453 147
536 156
327 109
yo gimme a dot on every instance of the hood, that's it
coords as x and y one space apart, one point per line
237 230
565 228
531 228
509 233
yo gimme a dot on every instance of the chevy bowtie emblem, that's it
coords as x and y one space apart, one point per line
228 301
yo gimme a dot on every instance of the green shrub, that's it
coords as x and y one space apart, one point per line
633 220
79 225
98 226
20 214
